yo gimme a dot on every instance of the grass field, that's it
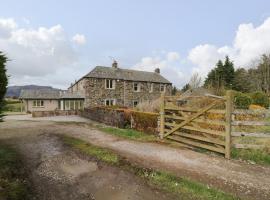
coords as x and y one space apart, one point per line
12 105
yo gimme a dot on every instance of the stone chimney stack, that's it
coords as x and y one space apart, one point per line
115 64
157 70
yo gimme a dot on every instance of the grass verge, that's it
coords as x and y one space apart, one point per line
12 183
259 156
129 134
181 187
124 133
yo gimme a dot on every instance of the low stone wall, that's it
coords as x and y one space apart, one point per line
124 118
54 113
109 116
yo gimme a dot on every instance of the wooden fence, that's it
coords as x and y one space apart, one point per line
209 127
252 123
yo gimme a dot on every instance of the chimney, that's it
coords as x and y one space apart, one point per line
115 64
157 70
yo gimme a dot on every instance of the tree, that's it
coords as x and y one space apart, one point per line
195 81
3 81
185 88
221 77
174 90
228 73
242 81
264 73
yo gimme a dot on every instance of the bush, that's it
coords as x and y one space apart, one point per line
242 101
260 98
149 106
256 107
145 121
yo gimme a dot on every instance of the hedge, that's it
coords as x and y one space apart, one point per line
124 118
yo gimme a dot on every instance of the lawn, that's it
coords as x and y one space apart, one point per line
181 187
12 105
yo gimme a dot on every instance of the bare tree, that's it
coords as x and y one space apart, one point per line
195 80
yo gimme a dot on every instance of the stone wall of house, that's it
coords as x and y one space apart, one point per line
123 93
78 87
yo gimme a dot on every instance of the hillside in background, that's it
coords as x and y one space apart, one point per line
14 91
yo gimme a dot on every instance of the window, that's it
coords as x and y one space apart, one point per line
136 87
109 84
109 102
151 87
162 88
135 103
38 103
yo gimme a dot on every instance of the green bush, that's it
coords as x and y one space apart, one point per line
260 98
242 101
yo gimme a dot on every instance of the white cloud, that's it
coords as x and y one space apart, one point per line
37 54
168 64
6 26
249 44
173 56
79 39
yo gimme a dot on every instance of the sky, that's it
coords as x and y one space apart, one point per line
57 42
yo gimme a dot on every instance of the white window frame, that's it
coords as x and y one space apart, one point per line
133 103
112 102
111 84
38 104
164 87
151 87
138 87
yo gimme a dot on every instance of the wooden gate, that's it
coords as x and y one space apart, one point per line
207 127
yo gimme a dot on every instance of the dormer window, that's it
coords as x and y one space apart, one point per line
162 88
109 84
136 87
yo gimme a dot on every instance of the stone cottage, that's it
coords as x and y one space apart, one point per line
50 100
123 87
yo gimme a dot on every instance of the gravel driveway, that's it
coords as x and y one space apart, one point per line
240 178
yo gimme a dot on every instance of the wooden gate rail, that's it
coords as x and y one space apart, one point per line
183 124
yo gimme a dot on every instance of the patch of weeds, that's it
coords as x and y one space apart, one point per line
129 134
181 187
259 156
84 147
12 183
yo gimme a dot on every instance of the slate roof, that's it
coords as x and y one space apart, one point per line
74 95
126 74
48 94
40 94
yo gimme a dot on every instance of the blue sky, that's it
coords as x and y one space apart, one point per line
129 31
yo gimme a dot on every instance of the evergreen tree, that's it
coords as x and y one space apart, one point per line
3 81
185 88
242 81
228 73
222 76
174 90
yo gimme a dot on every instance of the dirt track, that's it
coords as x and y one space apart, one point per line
244 180
58 173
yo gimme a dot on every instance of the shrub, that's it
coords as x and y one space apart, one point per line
260 98
256 107
149 106
145 122
242 101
